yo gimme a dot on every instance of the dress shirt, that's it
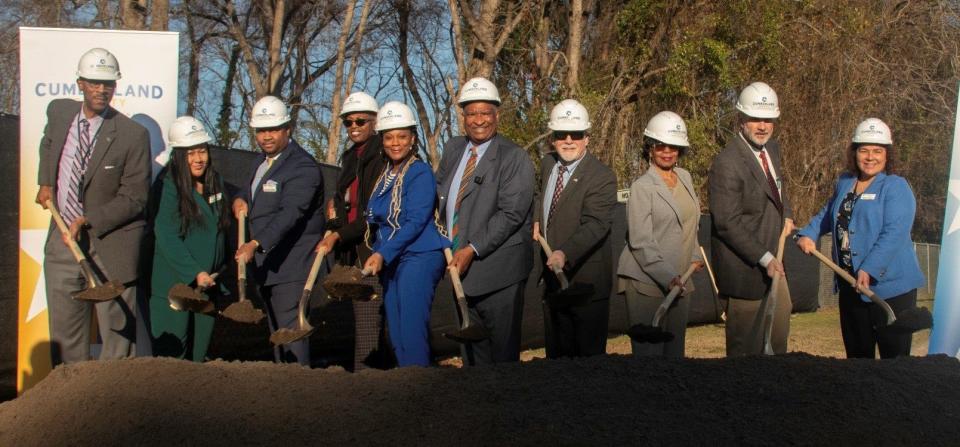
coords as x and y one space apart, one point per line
552 184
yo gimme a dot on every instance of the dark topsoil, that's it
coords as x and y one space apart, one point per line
795 399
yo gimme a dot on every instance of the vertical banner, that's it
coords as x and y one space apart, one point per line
945 338
147 93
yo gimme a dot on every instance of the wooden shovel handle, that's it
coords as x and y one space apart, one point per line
454 275
562 277
315 268
241 239
891 316
65 231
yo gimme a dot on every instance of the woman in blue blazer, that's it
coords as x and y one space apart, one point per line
870 215
407 246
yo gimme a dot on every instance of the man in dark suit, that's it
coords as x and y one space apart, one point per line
283 200
575 211
748 206
486 202
95 167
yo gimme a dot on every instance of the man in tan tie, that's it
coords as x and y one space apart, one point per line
748 208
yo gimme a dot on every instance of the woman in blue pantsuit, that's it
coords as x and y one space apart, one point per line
407 246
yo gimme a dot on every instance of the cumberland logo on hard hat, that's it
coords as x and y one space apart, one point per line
764 104
872 130
103 66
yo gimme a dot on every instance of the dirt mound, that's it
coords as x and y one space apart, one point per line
794 399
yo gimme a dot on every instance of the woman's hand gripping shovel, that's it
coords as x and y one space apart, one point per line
96 291
910 320
242 311
654 333
468 332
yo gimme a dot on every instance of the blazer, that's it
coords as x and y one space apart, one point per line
496 215
287 217
365 169
880 227
746 222
655 231
115 187
581 223
417 231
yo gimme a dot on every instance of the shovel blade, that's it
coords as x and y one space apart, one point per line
349 283
243 312
182 291
642 333
104 292
576 294
285 336
469 334
911 320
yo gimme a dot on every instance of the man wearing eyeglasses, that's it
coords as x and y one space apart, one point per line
574 214
361 165
485 183
95 168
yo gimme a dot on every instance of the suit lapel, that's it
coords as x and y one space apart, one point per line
583 169
483 166
665 193
750 161
455 155
105 137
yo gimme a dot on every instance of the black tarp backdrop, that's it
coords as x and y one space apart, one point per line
333 341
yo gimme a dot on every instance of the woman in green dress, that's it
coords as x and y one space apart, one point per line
189 231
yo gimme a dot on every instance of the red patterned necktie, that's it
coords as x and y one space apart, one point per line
464 181
557 189
770 181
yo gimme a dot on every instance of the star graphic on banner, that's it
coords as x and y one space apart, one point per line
31 242
954 190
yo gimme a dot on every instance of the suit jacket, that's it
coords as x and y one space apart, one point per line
581 223
366 169
287 218
879 230
496 212
655 231
115 186
746 222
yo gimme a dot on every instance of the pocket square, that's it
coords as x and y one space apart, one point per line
109 167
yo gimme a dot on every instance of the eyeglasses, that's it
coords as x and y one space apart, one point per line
575 136
360 122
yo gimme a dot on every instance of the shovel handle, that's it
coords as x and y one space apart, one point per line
562 277
241 267
891 316
74 248
771 301
308 286
454 275
668 300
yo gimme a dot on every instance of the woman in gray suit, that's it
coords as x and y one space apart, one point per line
662 218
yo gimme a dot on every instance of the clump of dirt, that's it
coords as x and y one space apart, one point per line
349 283
794 399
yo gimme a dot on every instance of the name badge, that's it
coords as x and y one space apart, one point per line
868 197
271 186
215 198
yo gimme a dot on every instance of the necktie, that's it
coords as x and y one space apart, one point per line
770 181
557 189
73 208
464 181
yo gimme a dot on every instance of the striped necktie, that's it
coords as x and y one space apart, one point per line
464 181
557 189
73 208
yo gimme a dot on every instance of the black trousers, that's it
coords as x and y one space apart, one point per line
575 331
859 322
501 313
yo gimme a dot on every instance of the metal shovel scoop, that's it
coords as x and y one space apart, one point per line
285 336
468 332
96 291
909 321
654 333
778 289
184 298
350 283
242 311
568 293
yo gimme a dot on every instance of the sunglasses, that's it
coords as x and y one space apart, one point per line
360 122
575 136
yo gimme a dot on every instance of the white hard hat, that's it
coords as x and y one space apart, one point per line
394 115
479 89
758 100
359 102
668 128
269 111
569 115
873 131
187 131
99 65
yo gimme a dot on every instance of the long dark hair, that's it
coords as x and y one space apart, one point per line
852 166
190 216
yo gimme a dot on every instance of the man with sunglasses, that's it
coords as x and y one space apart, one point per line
361 165
749 208
574 213
95 168
282 198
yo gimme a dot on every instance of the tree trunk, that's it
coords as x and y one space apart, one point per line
333 131
573 46
226 101
133 14
159 15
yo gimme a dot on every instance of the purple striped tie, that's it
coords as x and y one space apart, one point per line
73 208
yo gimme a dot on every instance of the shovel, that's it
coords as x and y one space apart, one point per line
184 298
242 311
468 332
569 293
285 336
778 288
95 292
910 320
654 333
350 283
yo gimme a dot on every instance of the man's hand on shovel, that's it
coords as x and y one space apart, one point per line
557 260
462 259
